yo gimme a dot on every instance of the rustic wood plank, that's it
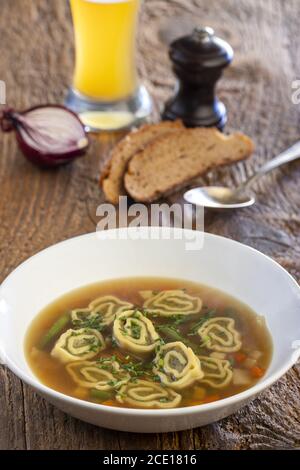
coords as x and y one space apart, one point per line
39 208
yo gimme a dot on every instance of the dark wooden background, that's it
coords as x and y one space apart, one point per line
38 208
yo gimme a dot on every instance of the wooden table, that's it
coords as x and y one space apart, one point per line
39 208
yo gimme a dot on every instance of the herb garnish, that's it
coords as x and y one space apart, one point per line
164 400
94 323
135 330
199 323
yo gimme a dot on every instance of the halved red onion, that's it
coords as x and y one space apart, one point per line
48 135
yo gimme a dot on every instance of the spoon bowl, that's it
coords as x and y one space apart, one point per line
218 197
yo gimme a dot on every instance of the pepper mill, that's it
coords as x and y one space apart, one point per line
198 62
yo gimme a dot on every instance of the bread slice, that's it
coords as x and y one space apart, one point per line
172 161
113 175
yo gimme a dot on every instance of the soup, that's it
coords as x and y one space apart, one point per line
148 343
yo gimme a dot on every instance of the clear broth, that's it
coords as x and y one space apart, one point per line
254 334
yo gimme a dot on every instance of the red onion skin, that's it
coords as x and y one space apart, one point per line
47 160
6 125
40 159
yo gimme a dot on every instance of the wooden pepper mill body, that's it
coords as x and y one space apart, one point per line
198 62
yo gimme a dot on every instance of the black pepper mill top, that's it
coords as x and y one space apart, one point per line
198 62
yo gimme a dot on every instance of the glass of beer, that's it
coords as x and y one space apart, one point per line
106 92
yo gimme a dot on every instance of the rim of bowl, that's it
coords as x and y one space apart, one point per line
233 399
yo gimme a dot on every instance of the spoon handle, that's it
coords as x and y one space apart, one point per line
289 155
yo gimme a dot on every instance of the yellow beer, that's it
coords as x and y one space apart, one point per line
105 32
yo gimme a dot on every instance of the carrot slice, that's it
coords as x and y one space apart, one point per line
211 398
240 357
195 403
108 403
257 372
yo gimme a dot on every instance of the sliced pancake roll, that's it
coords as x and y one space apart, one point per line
101 312
171 302
105 374
219 334
217 372
147 394
78 345
135 333
177 366
108 307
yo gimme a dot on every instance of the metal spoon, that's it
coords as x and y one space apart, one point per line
219 197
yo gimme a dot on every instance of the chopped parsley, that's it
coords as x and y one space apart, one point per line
94 322
198 324
135 330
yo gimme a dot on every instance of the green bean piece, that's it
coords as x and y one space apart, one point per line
175 336
170 333
55 329
100 395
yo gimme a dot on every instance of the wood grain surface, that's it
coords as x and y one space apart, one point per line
38 208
